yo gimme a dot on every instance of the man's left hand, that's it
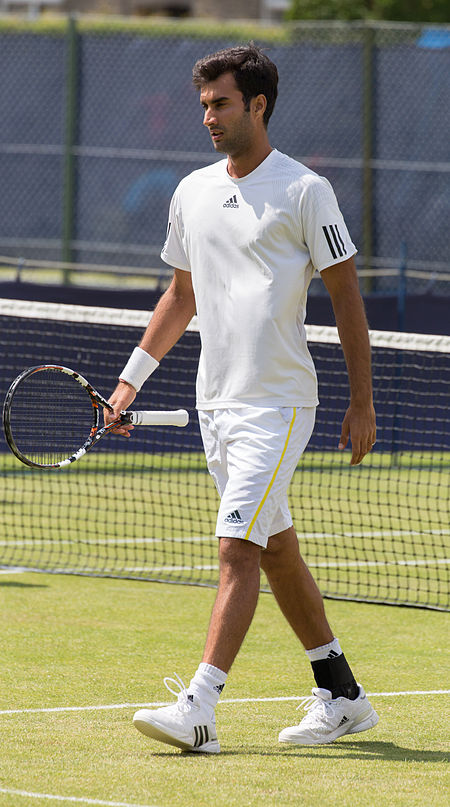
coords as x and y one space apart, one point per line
359 426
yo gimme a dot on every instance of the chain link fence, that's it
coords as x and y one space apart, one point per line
99 124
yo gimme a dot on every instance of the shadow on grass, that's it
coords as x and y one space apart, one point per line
348 750
371 749
17 584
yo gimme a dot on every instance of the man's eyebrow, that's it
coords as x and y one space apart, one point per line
215 100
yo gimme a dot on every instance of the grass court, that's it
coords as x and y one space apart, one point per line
79 655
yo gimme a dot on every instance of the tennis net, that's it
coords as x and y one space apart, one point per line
145 508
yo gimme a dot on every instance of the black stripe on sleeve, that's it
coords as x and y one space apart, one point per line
335 239
340 239
329 242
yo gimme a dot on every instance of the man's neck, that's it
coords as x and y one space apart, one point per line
242 164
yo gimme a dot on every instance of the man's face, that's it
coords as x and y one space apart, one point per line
231 127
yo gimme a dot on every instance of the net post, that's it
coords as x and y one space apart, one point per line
71 112
368 82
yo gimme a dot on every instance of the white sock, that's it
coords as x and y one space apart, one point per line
207 684
330 650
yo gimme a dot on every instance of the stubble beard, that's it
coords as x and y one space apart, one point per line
236 142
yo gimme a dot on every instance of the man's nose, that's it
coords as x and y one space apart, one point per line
209 117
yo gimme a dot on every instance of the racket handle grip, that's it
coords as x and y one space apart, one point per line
177 417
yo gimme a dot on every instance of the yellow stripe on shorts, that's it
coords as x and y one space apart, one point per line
274 475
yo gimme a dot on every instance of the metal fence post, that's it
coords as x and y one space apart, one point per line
402 287
71 111
368 118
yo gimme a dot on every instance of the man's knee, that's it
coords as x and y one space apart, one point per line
238 555
282 550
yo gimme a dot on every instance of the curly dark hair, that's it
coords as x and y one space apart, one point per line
253 71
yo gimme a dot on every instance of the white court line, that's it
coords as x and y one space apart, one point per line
181 539
157 704
325 564
14 570
214 567
186 539
73 799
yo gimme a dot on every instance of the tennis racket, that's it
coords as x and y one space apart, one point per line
51 416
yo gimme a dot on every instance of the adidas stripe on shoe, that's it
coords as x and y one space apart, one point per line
327 719
184 724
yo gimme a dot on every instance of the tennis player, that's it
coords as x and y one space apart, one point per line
245 236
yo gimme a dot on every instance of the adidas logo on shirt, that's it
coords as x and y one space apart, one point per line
233 202
234 518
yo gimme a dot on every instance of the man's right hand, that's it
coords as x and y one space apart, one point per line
121 399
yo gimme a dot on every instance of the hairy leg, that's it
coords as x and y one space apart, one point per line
235 602
295 589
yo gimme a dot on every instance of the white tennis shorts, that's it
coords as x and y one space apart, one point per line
252 454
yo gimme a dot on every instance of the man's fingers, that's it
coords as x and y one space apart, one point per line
122 428
345 434
358 426
357 456
357 452
123 431
360 450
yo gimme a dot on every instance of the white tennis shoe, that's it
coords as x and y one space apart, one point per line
328 718
185 724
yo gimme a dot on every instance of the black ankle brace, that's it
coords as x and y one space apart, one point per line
335 674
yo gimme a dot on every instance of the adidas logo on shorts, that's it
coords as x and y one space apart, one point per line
233 202
233 518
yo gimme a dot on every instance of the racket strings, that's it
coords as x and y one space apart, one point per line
51 416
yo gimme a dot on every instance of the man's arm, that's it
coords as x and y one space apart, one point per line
170 319
171 316
341 282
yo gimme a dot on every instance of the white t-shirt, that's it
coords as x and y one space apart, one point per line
252 245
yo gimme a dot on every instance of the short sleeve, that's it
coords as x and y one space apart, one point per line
324 229
173 251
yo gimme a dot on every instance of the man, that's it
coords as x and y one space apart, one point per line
245 236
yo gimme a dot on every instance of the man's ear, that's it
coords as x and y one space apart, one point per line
259 104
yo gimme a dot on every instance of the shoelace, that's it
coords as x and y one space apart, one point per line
312 702
180 693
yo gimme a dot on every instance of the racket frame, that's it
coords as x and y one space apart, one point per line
96 433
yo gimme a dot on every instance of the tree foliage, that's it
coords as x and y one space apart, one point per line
408 10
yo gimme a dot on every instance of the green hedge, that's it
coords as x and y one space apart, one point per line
336 32
148 26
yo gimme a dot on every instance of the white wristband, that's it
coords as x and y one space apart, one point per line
138 368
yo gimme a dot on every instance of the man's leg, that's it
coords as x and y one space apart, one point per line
190 723
234 607
295 589
301 603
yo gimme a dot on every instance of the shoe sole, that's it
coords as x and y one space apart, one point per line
156 733
368 722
